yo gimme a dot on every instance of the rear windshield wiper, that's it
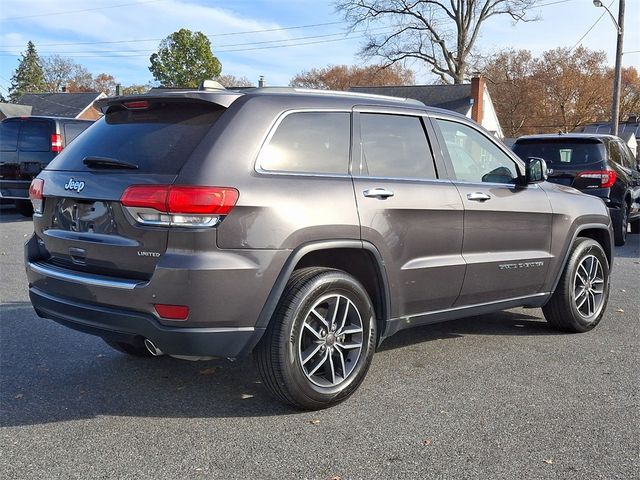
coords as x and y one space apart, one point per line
104 162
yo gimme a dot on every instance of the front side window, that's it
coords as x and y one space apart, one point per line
395 146
309 142
474 157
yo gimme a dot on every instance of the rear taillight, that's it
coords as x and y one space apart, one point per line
185 206
172 312
56 142
35 194
606 177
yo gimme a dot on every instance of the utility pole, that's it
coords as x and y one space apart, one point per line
617 75
617 80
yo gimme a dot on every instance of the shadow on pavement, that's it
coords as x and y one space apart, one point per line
499 323
49 373
9 214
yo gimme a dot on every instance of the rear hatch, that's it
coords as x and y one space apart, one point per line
571 161
84 225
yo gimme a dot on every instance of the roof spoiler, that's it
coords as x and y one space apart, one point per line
223 98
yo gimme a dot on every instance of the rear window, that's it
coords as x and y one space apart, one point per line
35 136
73 129
9 136
158 140
562 152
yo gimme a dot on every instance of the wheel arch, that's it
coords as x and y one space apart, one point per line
359 259
597 232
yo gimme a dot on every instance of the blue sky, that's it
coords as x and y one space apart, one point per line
138 26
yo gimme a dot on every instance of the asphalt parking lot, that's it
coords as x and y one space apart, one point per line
500 396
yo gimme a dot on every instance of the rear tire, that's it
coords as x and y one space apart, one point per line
311 357
129 348
24 208
620 221
635 225
581 296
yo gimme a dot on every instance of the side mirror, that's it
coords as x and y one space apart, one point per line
535 170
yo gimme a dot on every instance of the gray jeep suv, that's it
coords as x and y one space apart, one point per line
303 226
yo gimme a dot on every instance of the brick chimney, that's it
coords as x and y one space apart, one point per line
477 96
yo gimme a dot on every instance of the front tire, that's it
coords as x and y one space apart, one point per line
319 344
581 296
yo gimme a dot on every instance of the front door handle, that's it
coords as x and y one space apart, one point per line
478 196
378 193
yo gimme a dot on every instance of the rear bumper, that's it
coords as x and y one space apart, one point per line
15 189
117 324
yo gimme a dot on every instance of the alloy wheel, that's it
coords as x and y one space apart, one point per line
588 289
330 340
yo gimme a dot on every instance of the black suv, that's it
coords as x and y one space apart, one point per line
303 226
600 165
27 145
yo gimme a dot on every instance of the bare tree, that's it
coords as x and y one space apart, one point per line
230 81
441 33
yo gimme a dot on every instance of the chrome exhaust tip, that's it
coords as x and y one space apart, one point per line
151 347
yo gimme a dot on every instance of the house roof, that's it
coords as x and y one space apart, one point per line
59 104
632 125
449 97
14 110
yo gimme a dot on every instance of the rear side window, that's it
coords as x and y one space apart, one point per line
35 136
309 142
9 136
561 152
73 129
159 139
395 146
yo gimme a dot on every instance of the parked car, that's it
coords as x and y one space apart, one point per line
27 145
597 164
303 226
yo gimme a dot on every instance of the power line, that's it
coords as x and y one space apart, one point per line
557 2
220 51
264 42
79 11
592 27
213 35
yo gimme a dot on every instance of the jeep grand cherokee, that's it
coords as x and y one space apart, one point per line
303 226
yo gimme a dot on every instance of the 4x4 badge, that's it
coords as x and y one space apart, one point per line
74 185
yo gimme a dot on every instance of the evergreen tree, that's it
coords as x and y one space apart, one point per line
184 59
28 77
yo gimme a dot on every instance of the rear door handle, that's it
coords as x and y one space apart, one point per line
378 193
478 196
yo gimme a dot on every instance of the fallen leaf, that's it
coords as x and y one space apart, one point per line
18 396
623 290
244 396
336 477
208 371
549 462
314 422
99 356
619 310
427 442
